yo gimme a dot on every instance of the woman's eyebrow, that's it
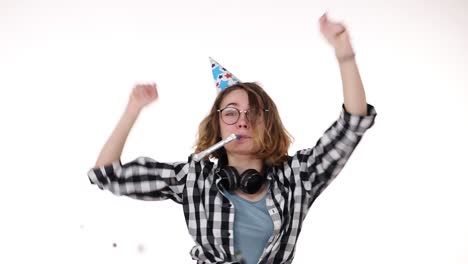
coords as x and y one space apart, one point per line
231 104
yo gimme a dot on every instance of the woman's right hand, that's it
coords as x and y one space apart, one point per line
142 95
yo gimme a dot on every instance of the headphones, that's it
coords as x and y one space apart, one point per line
250 181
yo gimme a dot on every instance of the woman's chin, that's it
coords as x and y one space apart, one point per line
240 150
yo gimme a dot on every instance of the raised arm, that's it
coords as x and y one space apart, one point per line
353 89
322 163
140 96
142 178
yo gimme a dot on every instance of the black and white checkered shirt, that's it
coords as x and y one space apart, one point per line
294 185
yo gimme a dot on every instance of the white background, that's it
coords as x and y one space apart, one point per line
67 67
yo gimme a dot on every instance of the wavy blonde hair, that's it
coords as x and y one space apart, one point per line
271 145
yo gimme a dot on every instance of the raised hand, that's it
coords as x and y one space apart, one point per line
142 95
336 35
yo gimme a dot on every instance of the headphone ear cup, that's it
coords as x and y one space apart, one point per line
251 181
229 178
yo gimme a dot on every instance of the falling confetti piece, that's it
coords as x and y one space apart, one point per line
141 248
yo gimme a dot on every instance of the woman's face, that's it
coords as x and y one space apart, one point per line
234 119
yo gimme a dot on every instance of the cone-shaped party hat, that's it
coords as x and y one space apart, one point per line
223 78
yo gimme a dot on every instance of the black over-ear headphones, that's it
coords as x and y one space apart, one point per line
250 181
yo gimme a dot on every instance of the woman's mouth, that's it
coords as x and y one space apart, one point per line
244 137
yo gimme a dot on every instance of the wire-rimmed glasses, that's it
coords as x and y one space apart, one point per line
230 115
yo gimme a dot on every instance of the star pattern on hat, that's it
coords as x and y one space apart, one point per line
222 77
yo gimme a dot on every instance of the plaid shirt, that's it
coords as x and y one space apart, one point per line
209 215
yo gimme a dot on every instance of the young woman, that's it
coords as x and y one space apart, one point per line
246 201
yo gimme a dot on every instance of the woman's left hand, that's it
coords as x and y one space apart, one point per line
337 35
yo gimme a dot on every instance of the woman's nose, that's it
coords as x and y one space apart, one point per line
243 121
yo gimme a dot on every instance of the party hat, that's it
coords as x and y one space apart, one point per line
223 78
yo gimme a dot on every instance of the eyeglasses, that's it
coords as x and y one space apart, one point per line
230 115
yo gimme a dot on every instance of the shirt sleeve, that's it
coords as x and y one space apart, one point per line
142 178
322 163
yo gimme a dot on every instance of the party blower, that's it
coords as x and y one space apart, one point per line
199 156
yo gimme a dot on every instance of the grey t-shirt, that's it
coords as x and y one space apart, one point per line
252 227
